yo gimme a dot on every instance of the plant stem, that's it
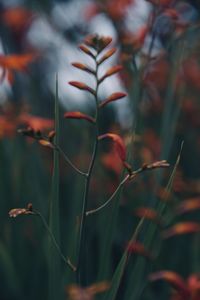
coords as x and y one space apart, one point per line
90 212
66 260
62 153
81 241
121 184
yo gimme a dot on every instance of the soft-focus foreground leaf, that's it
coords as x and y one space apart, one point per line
117 277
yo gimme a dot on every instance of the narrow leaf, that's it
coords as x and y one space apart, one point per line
78 115
54 221
117 277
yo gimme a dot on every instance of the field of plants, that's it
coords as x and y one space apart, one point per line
99 150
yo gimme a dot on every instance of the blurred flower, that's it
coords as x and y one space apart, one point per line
184 290
15 62
76 292
17 19
10 120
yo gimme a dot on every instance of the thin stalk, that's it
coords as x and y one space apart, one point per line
88 179
121 184
66 260
66 158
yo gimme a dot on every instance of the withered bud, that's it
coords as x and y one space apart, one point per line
13 213
157 164
27 132
51 135
97 42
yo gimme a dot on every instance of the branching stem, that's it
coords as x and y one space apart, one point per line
88 179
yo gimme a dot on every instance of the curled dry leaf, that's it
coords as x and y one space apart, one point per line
174 279
83 68
13 213
108 54
188 205
82 86
78 115
150 214
110 72
138 248
119 144
112 97
181 228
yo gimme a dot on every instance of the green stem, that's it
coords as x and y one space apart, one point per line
87 182
90 212
62 153
66 260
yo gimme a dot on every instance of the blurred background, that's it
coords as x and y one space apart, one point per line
158 46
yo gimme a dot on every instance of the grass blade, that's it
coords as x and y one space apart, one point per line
54 259
116 280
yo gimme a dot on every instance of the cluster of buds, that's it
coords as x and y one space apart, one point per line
44 140
13 213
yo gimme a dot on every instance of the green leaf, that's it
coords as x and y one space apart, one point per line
116 280
54 220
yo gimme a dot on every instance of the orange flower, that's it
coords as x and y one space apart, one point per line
15 62
10 122
76 292
184 290
17 18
